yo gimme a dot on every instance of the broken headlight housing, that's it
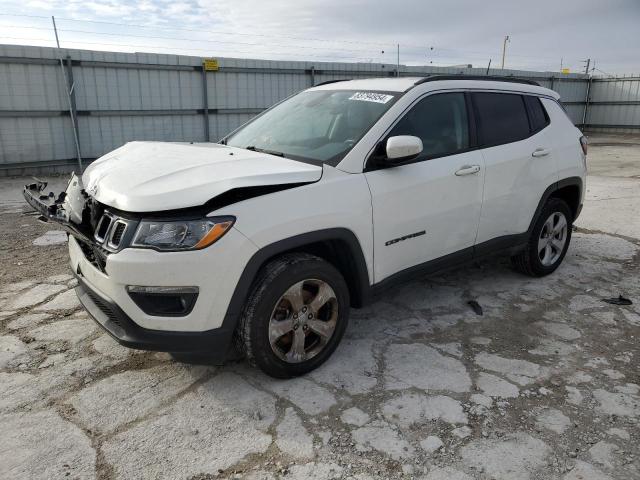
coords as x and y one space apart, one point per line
180 235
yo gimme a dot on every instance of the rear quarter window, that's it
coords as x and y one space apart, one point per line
537 114
502 118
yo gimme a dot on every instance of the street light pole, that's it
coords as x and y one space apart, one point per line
504 49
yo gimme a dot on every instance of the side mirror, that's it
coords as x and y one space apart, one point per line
403 147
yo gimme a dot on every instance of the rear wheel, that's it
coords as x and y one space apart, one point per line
296 315
548 242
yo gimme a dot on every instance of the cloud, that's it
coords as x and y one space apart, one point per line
429 32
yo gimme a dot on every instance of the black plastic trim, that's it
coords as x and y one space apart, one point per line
331 81
432 266
566 182
357 260
489 78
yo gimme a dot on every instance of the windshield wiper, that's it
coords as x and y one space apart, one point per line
253 148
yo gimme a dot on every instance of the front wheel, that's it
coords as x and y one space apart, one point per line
548 242
295 316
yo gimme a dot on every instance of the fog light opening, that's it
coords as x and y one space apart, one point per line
164 301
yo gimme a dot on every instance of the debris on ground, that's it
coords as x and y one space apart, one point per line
618 301
475 306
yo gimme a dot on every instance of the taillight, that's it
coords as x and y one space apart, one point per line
584 143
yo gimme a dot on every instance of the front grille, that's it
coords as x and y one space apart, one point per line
103 227
117 232
111 231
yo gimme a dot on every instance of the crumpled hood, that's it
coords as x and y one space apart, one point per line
156 176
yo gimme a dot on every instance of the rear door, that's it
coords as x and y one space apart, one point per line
430 207
518 158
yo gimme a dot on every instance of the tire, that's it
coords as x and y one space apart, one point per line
272 335
532 260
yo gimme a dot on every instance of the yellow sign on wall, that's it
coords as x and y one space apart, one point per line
565 70
210 64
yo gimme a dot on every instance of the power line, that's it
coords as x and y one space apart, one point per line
404 46
189 48
360 50
200 30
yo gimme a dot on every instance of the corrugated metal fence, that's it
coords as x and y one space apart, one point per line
119 97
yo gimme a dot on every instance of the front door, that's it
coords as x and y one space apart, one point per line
430 207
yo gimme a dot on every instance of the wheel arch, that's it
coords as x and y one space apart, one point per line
568 189
338 246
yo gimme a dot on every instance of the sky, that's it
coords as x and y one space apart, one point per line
544 34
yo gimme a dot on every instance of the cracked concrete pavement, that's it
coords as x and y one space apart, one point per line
544 385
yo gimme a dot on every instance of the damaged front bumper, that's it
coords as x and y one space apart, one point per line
105 277
128 333
61 209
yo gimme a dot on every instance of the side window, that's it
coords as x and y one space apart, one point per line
502 118
440 121
537 114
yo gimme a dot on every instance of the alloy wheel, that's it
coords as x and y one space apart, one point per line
553 238
303 321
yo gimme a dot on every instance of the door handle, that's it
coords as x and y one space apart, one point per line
540 152
467 170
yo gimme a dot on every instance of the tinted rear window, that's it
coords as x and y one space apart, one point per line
502 118
537 114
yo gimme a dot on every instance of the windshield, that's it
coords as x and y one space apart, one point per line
318 126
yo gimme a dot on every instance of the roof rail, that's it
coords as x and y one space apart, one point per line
331 81
490 78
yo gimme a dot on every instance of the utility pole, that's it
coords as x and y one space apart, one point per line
69 89
504 49
398 62
488 67
561 63
586 70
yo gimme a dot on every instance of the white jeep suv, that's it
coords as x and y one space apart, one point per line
267 238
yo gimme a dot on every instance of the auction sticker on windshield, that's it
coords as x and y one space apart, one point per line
371 97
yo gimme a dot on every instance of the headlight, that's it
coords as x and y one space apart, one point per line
181 234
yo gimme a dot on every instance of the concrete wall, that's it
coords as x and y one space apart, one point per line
121 97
